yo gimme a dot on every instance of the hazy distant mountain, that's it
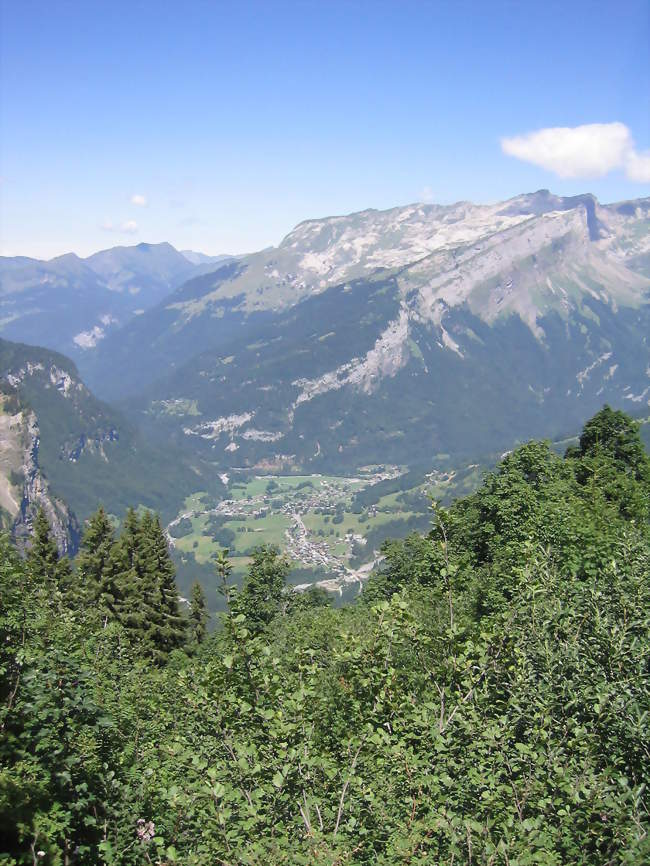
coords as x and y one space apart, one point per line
202 259
400 334
69 303
148 272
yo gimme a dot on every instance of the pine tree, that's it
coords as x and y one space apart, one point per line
130 537
126 570
124 563
171 624
148 606
198 615
96 565
144 614
45 564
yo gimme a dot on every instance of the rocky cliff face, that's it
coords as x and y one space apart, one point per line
87 451
321 253
37 494
525 257
23 486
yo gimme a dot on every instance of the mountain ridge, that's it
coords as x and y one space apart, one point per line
406 332
69 303
550 296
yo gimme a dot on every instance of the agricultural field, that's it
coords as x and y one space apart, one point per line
331 527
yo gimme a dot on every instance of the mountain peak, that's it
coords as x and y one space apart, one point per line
162 246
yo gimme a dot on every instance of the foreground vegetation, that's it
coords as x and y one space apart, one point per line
485 701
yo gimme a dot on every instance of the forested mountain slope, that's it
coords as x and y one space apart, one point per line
524 257
319 390
87 451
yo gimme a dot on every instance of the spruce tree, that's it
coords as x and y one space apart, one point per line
198 616
96 565
149 597
124 561
171 624
143 614
125 566
45 564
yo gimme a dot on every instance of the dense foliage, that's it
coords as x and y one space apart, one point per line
485 701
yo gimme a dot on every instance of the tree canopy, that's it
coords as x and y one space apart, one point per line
485 700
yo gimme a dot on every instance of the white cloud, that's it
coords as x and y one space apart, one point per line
591 150
128 227
139 200
426 194
638 166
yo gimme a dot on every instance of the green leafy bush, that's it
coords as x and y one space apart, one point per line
484 701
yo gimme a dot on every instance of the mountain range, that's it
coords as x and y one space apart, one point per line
398 336
69 303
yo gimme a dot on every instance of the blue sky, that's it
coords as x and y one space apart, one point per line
219 126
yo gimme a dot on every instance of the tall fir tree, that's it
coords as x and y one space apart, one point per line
45 564
96 571
171 625
125 563
145 576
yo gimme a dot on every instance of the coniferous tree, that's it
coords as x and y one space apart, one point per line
143 611
43 558
172 625
124 571
198 616
145 577
129 539
96 569
124 562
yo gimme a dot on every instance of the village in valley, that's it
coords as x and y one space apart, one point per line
330 527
